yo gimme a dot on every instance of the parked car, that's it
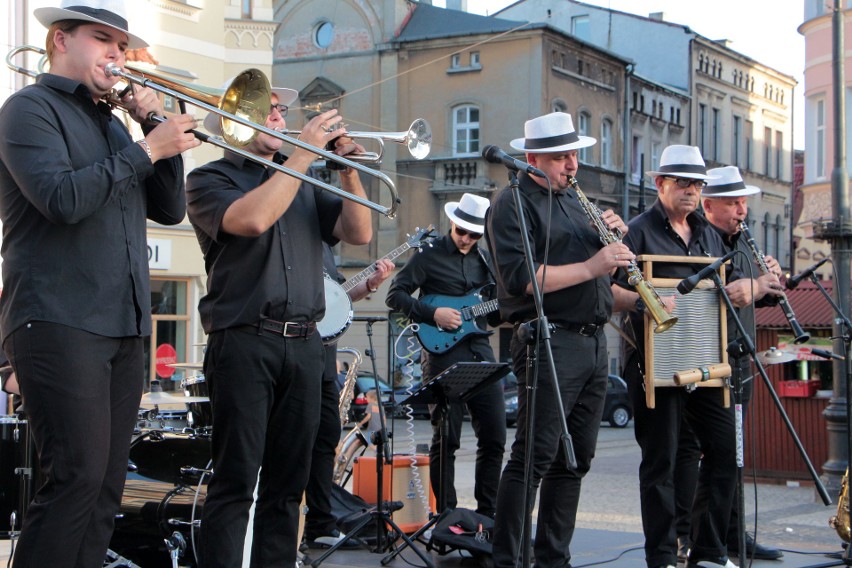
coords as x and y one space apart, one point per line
365 382
617 408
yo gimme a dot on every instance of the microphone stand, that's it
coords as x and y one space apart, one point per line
542 336
748 347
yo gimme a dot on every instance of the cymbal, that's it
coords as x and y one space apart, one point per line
774 355
159 397
193 366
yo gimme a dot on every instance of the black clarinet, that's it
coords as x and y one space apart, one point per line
801 335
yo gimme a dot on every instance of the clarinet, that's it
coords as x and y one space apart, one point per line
801 335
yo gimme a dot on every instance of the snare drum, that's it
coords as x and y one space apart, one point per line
201 413
162 495
18 472
164 420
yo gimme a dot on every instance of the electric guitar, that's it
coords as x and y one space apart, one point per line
338 306
436 340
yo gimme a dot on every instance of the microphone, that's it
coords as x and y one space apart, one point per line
495 155
795 280
687 285
826 354
369 319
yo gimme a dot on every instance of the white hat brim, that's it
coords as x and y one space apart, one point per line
687 175
450 208
583 142
742 192
48 16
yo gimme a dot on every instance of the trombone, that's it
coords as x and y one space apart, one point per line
242 108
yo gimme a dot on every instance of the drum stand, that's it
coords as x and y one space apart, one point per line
381 513
460 382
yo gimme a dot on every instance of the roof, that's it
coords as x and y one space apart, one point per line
811 308
429 22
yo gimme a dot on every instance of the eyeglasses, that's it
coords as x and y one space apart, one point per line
282 109
462 232
683 183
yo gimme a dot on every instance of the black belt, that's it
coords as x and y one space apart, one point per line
584 329
286 328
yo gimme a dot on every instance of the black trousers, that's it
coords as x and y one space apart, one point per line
81 393
488 418
689 459
320 520
265 394
581 364
658 432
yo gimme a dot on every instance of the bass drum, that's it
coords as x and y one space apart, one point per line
338 312
164 493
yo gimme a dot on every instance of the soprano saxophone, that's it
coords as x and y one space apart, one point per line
348 388
653 303
801 335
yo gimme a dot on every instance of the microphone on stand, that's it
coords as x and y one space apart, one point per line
687 285
795 280
495 155
826 354
369 319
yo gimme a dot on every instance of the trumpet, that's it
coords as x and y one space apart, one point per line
242 109
418 140
801 336
653 302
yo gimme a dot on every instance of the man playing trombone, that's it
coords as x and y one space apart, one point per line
261 232
75 194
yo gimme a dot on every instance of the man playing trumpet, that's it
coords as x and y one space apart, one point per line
261 232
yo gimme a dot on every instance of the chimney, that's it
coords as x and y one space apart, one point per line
459 5
657 16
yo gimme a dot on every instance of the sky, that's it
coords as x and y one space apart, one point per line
764 30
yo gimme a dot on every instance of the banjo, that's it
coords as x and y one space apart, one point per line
338 305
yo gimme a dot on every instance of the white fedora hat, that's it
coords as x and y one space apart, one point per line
552 132
112 13
213 125
469 213
681 161
727 182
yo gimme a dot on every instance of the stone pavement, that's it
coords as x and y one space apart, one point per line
609 525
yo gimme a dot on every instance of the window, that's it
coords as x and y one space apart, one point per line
779 154
559 106
455 61
580 27
636 159
245 9
584 121
656 150
820 139
606 143
714 135
323 34
702 128
767 151
749 145
465 130
169 340
778 236
474 59
737 142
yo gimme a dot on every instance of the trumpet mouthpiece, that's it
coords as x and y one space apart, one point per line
112 70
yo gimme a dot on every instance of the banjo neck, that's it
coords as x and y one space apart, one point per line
370 270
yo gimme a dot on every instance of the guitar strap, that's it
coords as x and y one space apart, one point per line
487 261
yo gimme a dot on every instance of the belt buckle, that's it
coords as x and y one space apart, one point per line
284 331
588 329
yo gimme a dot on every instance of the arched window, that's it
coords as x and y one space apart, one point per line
606 143
779 227
465 130
584 125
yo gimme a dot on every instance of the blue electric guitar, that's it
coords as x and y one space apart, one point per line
471 306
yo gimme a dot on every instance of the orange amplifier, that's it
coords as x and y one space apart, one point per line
399 483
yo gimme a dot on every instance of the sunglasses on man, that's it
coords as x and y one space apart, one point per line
683 183
462 232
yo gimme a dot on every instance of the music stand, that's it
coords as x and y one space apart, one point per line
461 381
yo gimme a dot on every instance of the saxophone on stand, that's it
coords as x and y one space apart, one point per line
653 302
355 440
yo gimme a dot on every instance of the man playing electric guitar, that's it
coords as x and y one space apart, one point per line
455 266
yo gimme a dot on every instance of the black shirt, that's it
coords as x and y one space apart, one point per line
572 240
74 195
442 269
652 233
277 275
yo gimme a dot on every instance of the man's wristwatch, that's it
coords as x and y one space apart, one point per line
370 288
639 306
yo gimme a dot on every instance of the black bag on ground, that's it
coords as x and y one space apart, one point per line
463 529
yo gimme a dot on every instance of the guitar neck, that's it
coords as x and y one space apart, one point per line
370 270
484 308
